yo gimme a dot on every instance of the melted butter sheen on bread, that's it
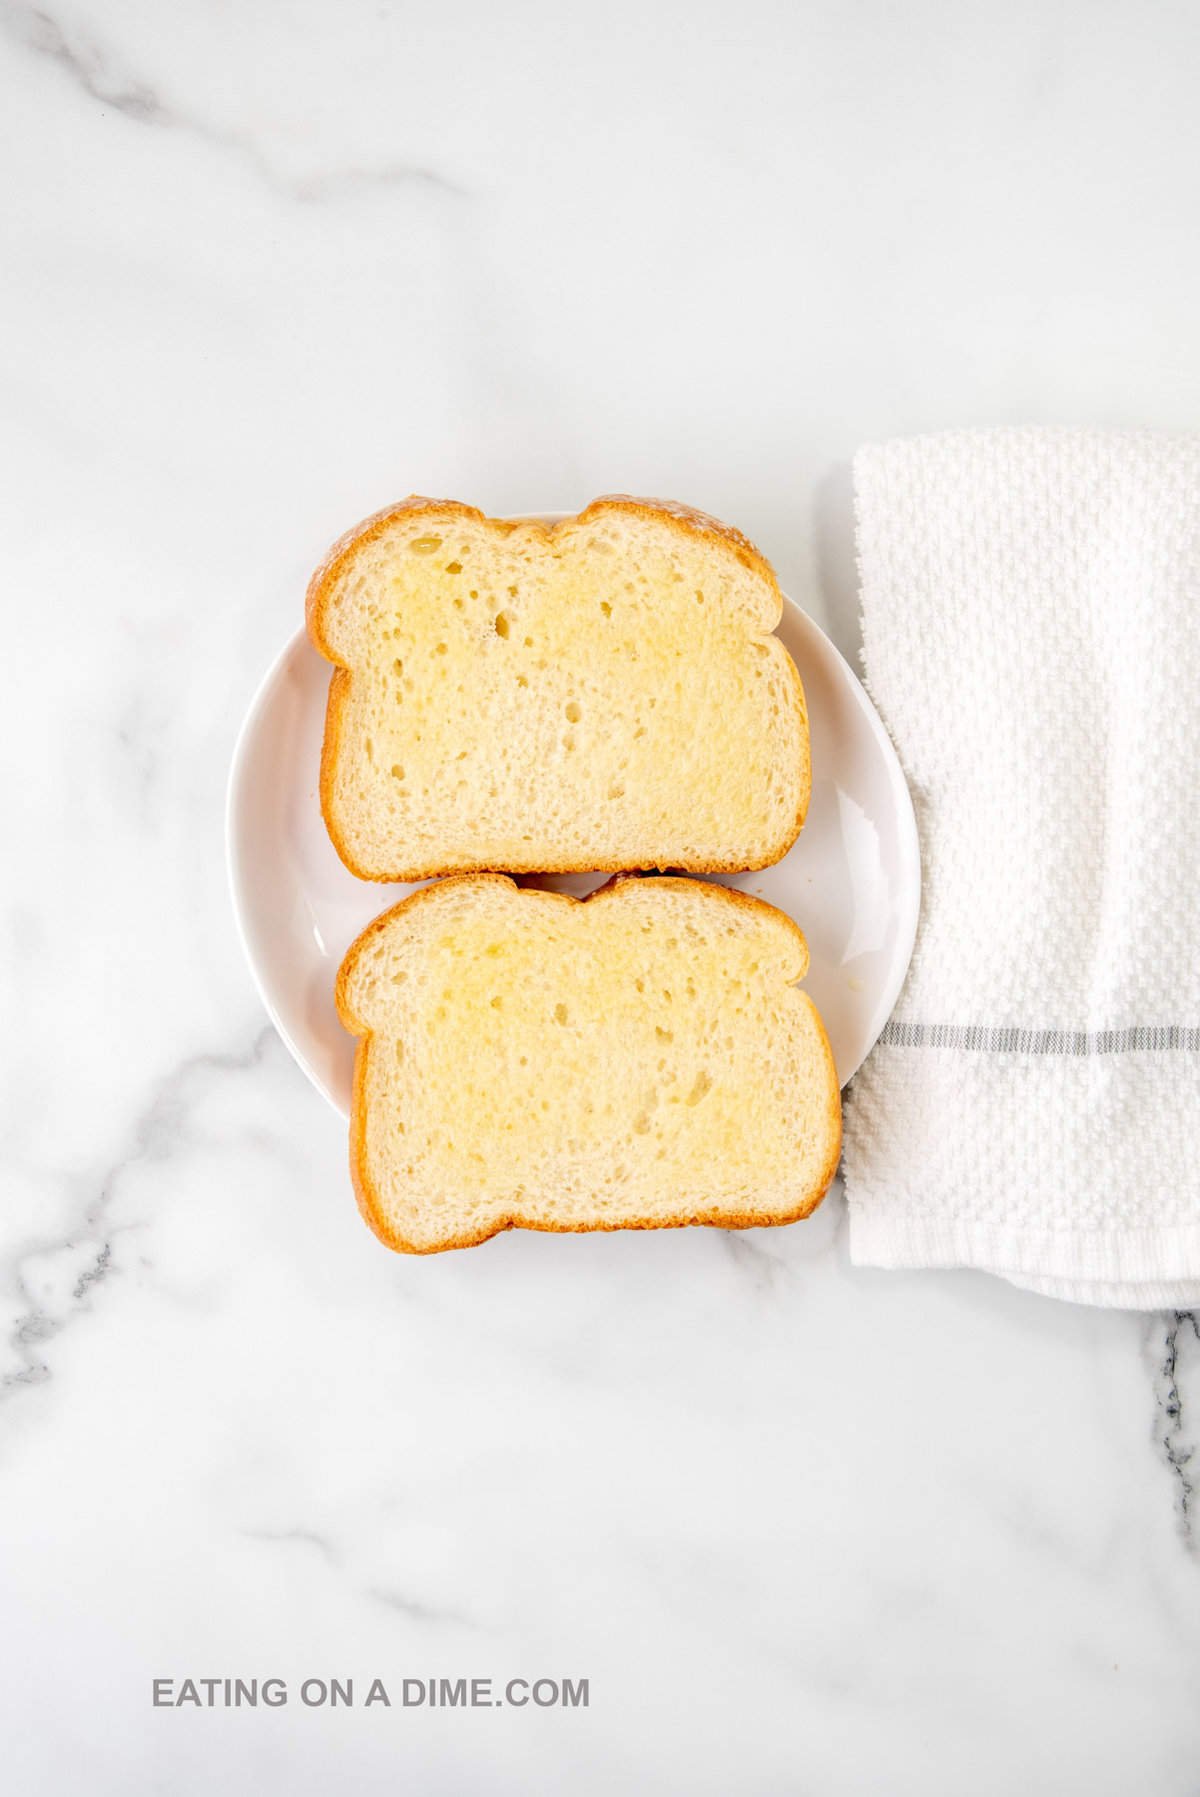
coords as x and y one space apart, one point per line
636 1060
605 693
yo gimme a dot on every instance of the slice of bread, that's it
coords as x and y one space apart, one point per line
604 693
633 1060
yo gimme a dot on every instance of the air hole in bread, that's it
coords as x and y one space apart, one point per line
425 545
560 1012
397 771
454 567
573 712
502 623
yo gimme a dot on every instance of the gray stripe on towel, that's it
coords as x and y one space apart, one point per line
986 1038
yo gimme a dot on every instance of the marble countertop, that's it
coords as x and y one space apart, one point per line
803 1529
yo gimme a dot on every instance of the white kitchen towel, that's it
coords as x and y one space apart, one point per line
1031 628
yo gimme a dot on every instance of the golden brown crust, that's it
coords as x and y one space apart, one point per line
684 518
353 539
368 1200
689 520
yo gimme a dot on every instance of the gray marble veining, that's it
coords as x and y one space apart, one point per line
803 1528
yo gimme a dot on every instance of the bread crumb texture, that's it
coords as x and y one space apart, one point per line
604 693
639 1059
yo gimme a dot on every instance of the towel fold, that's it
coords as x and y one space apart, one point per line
1031 627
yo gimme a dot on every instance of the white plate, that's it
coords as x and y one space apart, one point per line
852 880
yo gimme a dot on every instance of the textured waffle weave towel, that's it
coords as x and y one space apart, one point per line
1031 625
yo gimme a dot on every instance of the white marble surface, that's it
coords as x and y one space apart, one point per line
805 1529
